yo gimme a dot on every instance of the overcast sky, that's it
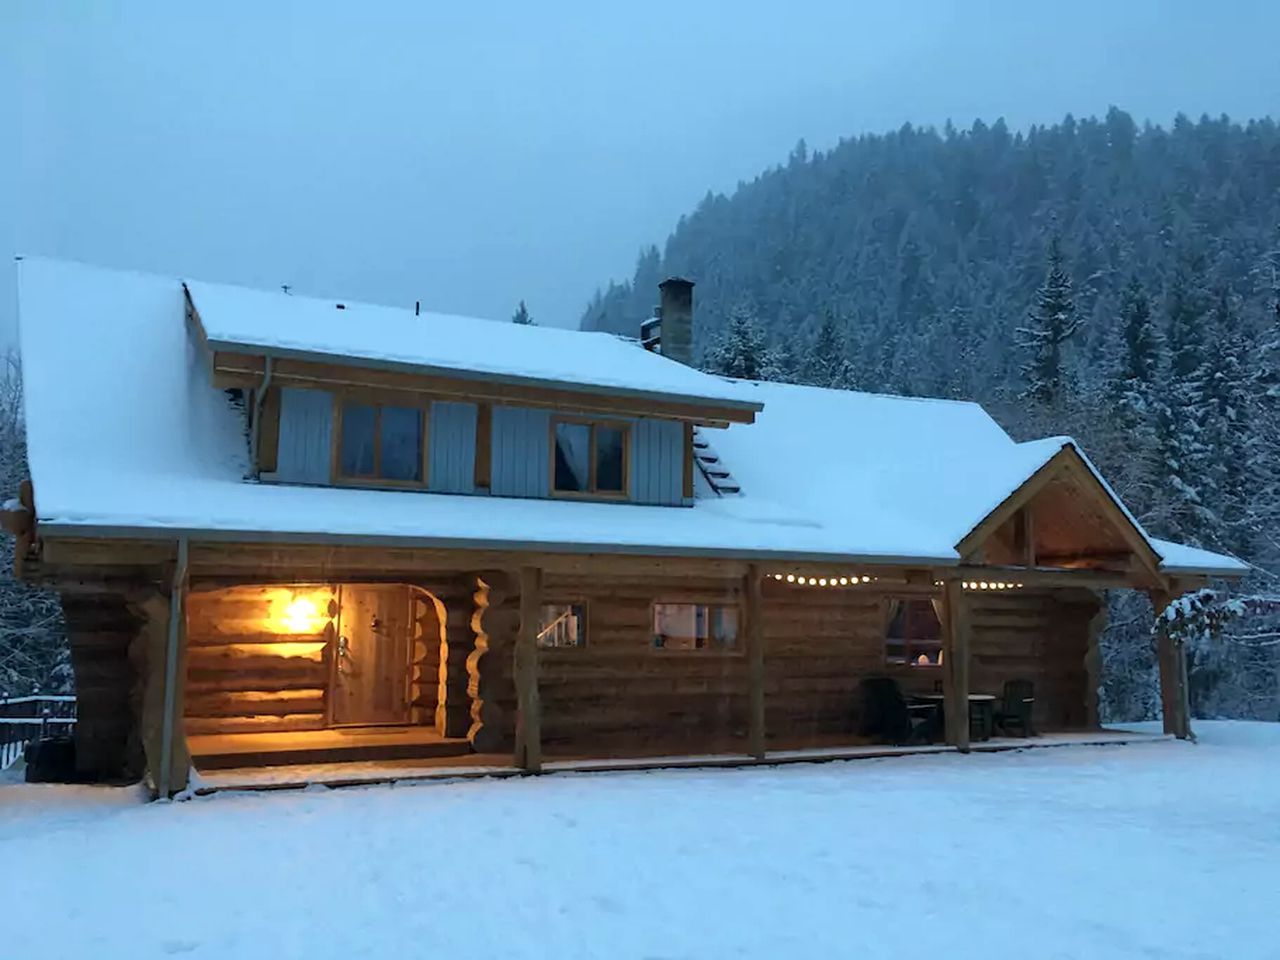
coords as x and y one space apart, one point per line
469 155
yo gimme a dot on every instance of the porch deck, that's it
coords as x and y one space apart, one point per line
352 744
298 776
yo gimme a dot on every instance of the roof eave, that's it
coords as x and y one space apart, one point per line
745 407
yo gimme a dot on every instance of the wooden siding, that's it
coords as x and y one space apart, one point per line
657 462
305 451
617 694
451 443
1039 637
103 632
521 465
819 645
521 449
242 677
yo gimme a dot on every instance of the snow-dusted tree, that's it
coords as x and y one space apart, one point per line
1133 389
741 350
1183 463
1231 448
33 651
521 316
1050 324
825 362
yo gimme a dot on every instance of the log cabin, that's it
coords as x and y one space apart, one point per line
293 530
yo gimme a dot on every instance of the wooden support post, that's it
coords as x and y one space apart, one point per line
162 665
755 664
1025 536
528 705
1093 666
1171 658
955 675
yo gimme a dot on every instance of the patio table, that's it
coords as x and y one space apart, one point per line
982 707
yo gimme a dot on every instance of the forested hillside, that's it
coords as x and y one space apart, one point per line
1116 282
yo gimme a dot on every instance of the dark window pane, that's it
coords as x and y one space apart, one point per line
924 624
356 456
694 626
914 635
675 626
609 459
401 430
563 625
724 627
573 457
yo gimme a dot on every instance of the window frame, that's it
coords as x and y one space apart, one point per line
623 426
910 651
560 601
378 400
737 650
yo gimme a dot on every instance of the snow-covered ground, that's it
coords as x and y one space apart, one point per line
1162 849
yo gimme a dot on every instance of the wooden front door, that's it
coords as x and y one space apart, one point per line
371 663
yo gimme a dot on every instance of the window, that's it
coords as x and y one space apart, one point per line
590 458
694 626
563 625
381 442
914 635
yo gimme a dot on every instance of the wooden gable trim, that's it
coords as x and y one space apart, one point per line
234 369
1066 461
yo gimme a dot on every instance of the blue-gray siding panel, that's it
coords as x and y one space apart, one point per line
451 443
657 462
306 432
521 464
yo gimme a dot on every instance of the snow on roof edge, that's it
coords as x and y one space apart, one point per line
54 529
481 376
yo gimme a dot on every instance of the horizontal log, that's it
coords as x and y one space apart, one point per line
247 703
255 724
232 635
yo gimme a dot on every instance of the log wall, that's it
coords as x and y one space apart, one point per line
104 632
619 694
243 676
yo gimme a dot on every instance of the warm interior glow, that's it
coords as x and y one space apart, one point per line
301 615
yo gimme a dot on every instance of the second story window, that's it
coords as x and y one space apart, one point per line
381 442
590 458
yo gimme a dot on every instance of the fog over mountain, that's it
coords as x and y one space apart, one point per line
474 157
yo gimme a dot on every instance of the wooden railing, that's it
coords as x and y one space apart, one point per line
24 719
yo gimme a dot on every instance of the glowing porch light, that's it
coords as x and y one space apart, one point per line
300 616
822 581
791 578
844 581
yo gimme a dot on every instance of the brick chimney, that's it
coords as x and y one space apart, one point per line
677 319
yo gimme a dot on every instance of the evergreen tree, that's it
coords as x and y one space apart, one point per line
1180 424
1229 442
741 351
826 361
1132 448
1050 324
521 316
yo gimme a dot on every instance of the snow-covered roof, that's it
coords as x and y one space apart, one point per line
127 436
280 324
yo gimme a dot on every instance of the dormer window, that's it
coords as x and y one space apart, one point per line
381 443
590 458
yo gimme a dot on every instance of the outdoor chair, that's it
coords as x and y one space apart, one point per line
1013 714
886 715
